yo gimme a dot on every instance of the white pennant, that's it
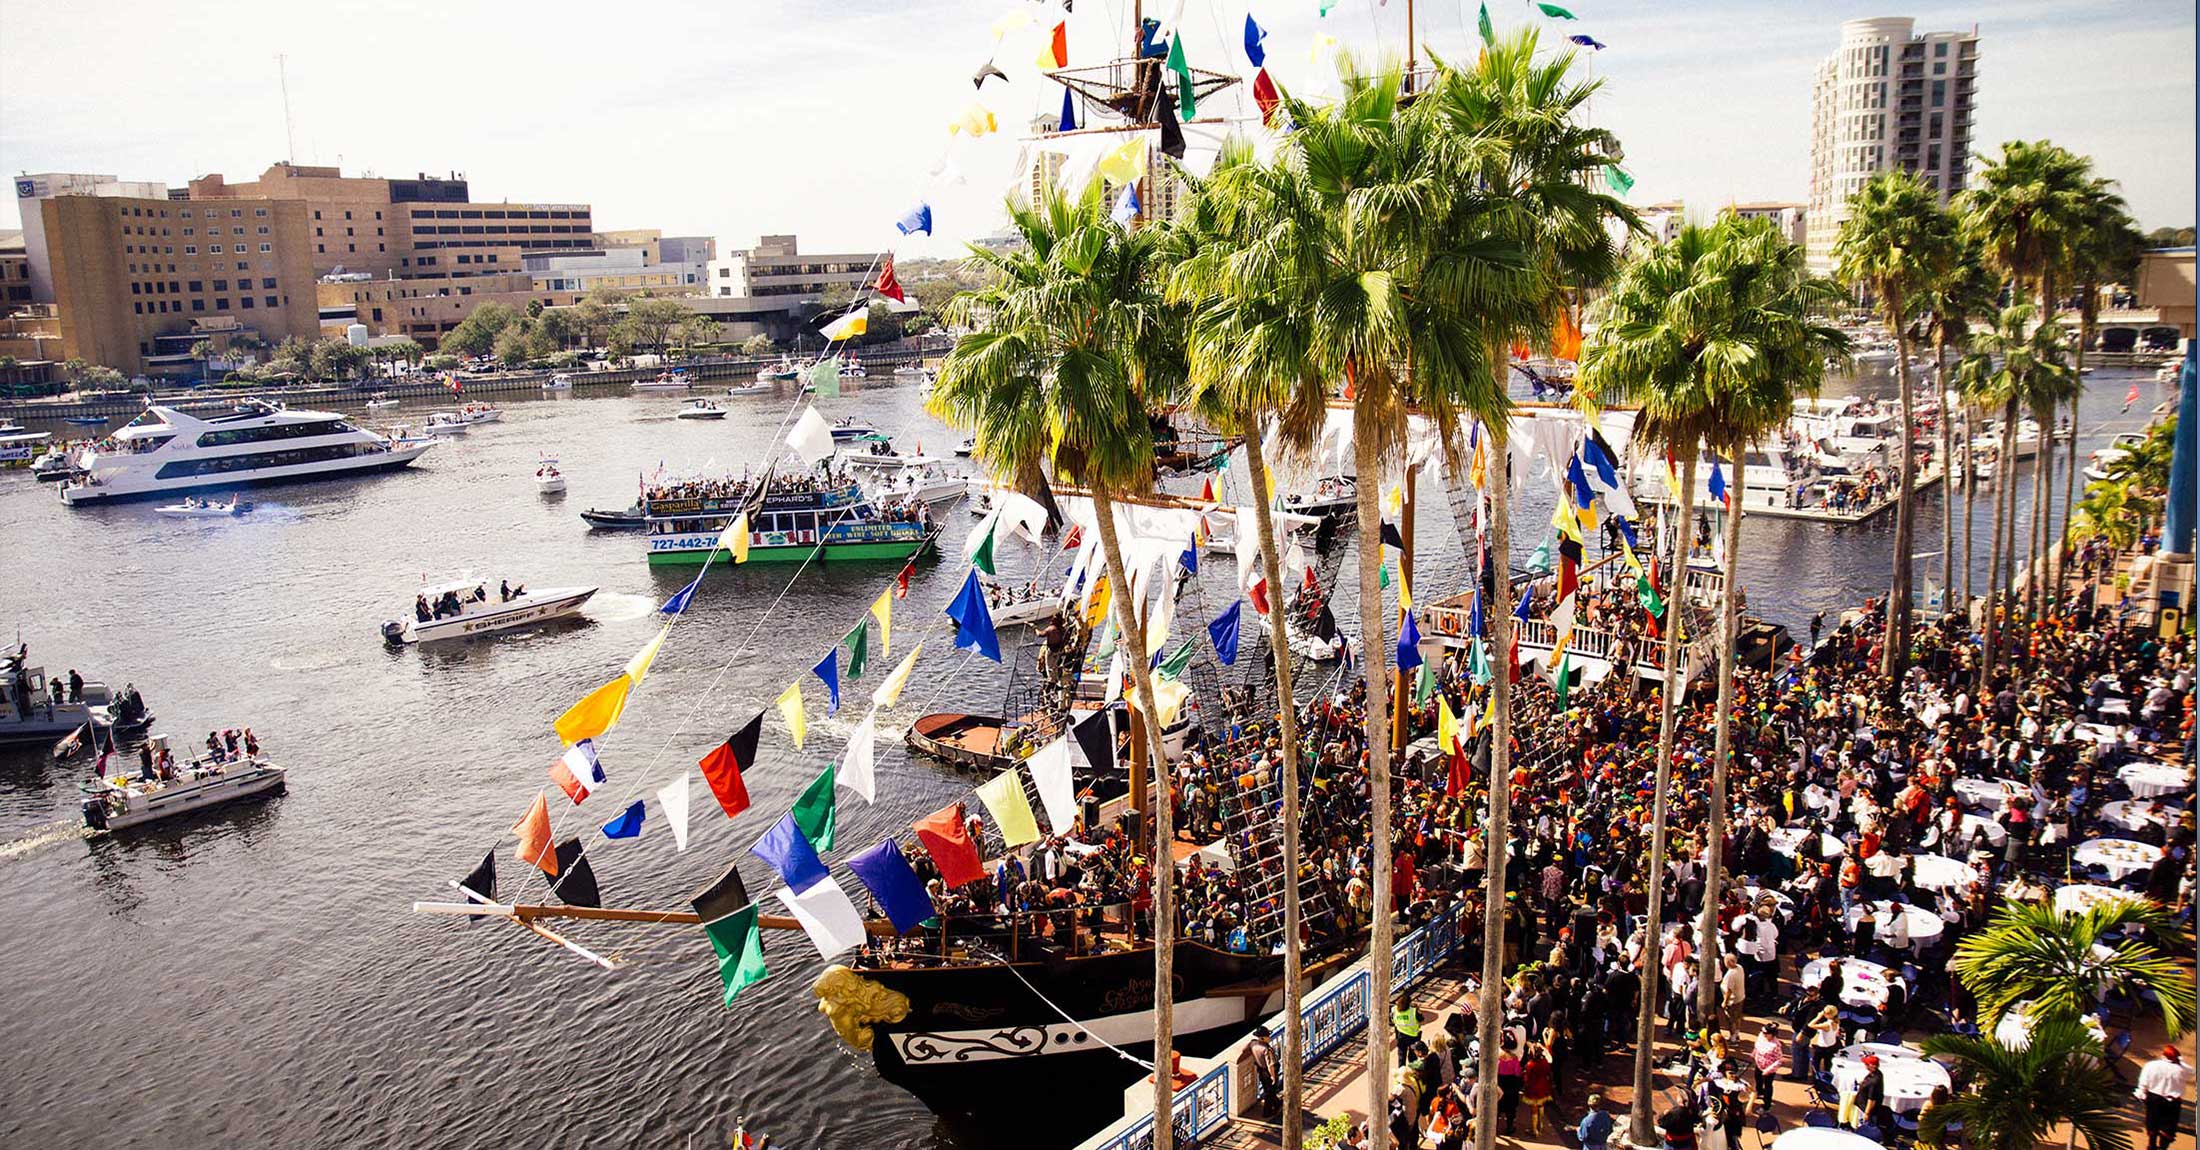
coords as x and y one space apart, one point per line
673 799
825 912
856 762
1050 774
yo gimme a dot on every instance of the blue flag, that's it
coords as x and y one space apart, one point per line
1224 631
1718 483
974 620
628 825
1599 455
1069 113
1586 42
1254 34
1409 644
1190 559
919 219
898 891
1575 478
828 669
790 853
681 598
1627 528
1476 625
1521 612
1126 206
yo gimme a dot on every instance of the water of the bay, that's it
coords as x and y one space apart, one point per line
255 976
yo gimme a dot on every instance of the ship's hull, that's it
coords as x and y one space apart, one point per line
689 556
130 490
980 1036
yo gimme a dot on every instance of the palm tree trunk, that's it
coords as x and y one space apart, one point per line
1489 1012
1970 510
1730 604
1279 646
1374 664
1669 693
2035 531
2044 513
1947 470
2006 473
1895 648
2087 307
1164 830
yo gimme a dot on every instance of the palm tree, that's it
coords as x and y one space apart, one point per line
1532 231
1253 359
1895 239
2018 1097
1999 375
2060 964
1071 346
2052 382
2108 243
1961 291
1711 334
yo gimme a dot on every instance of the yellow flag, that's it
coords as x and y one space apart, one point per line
1447 725
1125 164
1003 796
790 708
882 609
596 714
1634 564
1672 480
1405 593
1562 517
1103 598
889 692
638 666
1169 697
735 538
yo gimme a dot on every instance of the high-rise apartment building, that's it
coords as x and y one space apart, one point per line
1889 99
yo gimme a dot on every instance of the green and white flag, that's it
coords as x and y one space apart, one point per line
825 377
1186 104
816 811
1482 21
1618 180
1554 11
740 949
858 642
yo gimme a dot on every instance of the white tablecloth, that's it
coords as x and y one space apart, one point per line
1786 839
2115 707
2156 780
2133 814
1971 825
1939 872
1818 798
1862 983
2080 897
2015 1029
1822 1138
2122 857
1909 1076
2097 732
1987 794
1925 926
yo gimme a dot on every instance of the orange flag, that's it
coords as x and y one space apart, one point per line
1566 338
533 829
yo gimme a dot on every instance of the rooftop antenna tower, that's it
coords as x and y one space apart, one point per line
290 132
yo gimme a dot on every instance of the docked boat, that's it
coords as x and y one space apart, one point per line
380 400
669 381
849 427
633 518
558 382
759 388
1011 608
85 420
446 423
963 449
701 409
911 371
124 801
194 508
548 479
1335 497
837 522
929 482
35 707
14 434
464 607
164 451
2099 465
784 372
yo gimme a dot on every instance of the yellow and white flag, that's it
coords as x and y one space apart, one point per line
790 708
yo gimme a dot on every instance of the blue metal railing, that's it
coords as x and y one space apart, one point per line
1334 1016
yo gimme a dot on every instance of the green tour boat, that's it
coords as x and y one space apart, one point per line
828 516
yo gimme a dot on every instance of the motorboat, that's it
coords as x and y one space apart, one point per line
54 465
479 413
13 434
849 427
37 708
687 524
963 449
668 381
380 400
929 482
1011 608
759 388
783 372
853 369
1334 497
195 508
457 609
911 371
701 409
2098 465
558 382
85 420
165 451
633 518
447 423
120 802
548 480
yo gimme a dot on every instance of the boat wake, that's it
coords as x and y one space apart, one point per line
46 836
613 607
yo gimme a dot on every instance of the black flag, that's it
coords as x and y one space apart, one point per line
1325 627
1172 134
1096 738
576 881
482 880
721 896
1391 538
978 79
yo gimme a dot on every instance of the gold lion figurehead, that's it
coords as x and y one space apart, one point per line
852 1003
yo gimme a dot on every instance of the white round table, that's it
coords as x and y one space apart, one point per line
2097 733
2156 780
2077 898
2015 1028
1818 798
1971 826
1823 1138
2120 857
1909 1076
1862 983
1939 872
1925 926
1988 794
2115 708
1786 840
1782 902
2134 814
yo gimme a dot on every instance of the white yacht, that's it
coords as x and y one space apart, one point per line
465 607
558 382
14 434
548 479
928 482
164 451
124 801
447 423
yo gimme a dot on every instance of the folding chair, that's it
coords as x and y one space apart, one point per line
1819 1119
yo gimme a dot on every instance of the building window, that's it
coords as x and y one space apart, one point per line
261 212
263 229
271 301
245 302
198 305
316 215
138 308
190 249
221 285
320 247
1940 93
268 284
221 304
236 213
267 247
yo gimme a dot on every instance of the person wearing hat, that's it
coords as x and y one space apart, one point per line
2162 1086
1262 1050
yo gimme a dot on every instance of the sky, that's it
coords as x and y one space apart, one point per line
734 118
